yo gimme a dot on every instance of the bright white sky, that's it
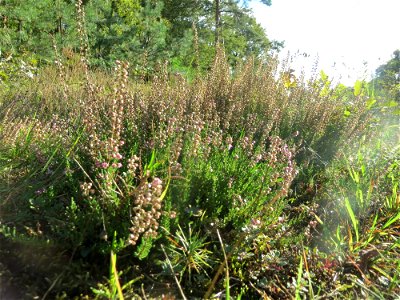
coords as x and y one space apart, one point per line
351 37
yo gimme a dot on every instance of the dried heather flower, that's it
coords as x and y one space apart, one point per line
147 210
86 188
156 182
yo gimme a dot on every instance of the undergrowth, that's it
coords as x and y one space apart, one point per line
114 188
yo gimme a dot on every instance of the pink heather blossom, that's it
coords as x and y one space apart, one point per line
104 165
156 182
40 191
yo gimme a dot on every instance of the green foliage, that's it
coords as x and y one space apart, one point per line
13 69
29 27
129 31
127 10
387 78
145 33
213 187
299 279
188 253
362 199
95 163
113 290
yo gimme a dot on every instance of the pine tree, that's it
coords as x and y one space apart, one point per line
126 30
29 26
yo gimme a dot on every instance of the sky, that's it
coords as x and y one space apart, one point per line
350 38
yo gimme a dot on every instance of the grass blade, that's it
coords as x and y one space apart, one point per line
353 218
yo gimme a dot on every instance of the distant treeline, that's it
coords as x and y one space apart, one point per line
143 32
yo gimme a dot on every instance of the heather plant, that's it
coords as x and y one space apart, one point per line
213 187
229 156
244 180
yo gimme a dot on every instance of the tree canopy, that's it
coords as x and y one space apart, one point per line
387 77
143 32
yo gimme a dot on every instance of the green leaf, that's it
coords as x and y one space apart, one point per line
324 76
363 170
391 221
370 102
353 218
44 169
152 165
144 248
3 76
164 193
357 88
371 231
299 277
